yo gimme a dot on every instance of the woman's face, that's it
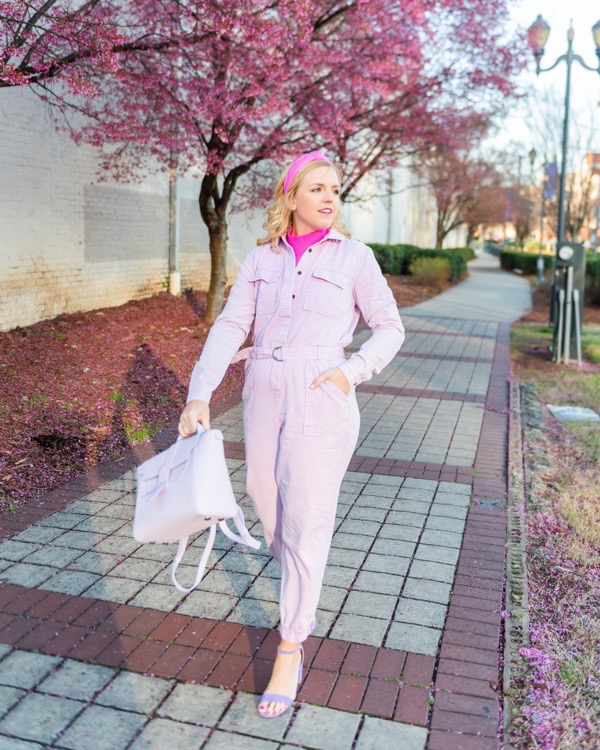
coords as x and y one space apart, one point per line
317 200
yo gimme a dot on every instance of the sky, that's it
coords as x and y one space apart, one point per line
585 84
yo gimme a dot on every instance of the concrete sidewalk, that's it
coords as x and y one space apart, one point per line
100 651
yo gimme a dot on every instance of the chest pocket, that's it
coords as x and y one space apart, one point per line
266 286
327 290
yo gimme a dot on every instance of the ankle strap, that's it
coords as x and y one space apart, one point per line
289 653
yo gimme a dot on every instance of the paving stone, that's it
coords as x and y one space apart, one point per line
255 612
24 574
431 591
369 604
112 589
359 629
196 704
382 583
11 743
414 638
95 562
435 553
16 550
441 538
393 547
331 598
401 533
425 569
8 697
323 728
444 510
56 557
133 692
103 729
25 670
37 535
78 539
155 596
73 582
228 741
226 582
76 680
242 716
159 734
418 612
387 564
351 542
341 577
376 734
40 717
349 558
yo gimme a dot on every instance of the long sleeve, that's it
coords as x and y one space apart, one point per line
376 302
227 334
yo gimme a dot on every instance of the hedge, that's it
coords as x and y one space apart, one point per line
527 262
396 259
467 252
592 269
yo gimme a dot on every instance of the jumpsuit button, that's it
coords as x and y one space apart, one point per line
310 249
299 273
293 296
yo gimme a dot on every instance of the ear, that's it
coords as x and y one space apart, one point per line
291 202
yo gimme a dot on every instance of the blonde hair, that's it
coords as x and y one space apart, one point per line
279 213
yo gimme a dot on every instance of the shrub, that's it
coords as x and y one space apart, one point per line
396 259
592 269
526 262
389 257
466 252
430 271
458 265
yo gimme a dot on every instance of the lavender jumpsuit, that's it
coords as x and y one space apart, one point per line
298 440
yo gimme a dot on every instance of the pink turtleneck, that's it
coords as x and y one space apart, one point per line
301 243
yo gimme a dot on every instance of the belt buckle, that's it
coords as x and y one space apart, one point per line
278 359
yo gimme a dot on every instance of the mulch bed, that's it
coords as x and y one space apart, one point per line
540 312
80 389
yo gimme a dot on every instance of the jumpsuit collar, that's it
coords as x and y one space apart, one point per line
333 234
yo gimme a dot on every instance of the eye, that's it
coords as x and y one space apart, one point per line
315 189
336 191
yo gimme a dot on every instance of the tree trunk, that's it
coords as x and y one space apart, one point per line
213 209
440 232
217 232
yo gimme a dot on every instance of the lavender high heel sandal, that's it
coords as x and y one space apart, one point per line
274 697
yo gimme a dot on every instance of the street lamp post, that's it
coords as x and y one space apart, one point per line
566 306
538 34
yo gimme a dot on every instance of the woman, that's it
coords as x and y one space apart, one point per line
302 289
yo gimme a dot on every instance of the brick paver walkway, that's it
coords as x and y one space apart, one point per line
100 651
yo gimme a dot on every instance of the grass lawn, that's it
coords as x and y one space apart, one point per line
561 708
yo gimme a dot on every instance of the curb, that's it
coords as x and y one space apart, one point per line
516 633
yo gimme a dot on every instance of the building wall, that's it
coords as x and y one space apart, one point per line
71 242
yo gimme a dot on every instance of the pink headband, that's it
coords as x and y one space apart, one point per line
299 164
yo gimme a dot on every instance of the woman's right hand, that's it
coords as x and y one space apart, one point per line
194 412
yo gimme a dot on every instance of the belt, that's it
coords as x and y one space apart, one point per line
281 353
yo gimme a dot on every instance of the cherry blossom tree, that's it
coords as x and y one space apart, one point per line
235 87
40 41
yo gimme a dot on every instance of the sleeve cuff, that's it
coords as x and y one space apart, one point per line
350 371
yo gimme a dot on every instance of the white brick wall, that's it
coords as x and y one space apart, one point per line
69 242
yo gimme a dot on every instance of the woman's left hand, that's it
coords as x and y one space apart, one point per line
337 377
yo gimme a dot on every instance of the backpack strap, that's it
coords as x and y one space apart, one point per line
244 535
201 565
243 538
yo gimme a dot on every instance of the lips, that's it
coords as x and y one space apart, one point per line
326 211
